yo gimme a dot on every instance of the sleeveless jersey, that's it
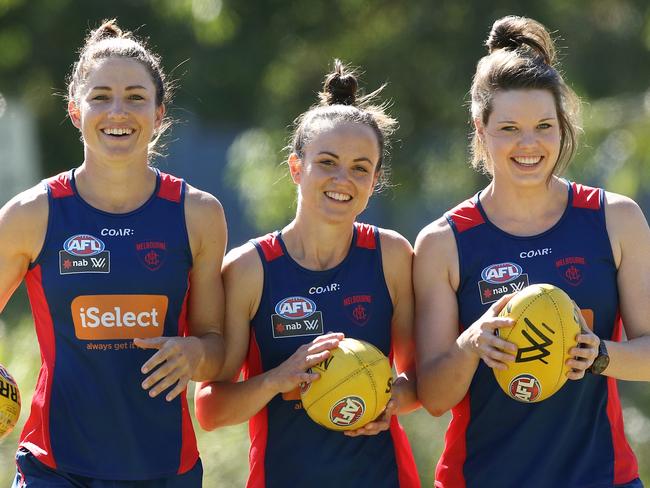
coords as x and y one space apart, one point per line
297 304
100 281
574 438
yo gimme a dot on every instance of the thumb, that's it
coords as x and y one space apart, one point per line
495 309
152 343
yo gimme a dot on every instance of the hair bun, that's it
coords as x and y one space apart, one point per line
513 32
340 86
107 30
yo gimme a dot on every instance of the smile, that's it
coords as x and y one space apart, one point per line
117 131
527 160
341 197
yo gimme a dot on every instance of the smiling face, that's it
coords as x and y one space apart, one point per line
522 136
337 173
116 110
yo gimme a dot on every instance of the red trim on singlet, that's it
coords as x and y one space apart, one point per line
466 215
258 424
365 236
170 188
626 468
407 471
449 471
60 185
189 449
36 434
585 196
271 247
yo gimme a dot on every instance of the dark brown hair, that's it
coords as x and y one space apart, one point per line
108 41
339 103
522 57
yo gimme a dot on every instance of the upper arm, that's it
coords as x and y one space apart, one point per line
435 280
630 239
206 226
244 279
23 224
397 257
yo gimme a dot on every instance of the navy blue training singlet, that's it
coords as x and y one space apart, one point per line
100 281
574 438
297 305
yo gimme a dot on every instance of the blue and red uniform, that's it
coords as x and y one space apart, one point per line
297 304
101 280
574 438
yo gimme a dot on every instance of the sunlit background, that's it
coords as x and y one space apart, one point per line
245 69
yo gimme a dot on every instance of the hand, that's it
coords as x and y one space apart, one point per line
481 340
378 425
585 352
175 362
293 371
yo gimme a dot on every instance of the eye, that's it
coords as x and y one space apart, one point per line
136 97
544 125
326 162
100 97
509 128
361 169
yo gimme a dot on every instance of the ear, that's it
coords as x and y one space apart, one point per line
375 179
74 113
159 116
295 166
480 129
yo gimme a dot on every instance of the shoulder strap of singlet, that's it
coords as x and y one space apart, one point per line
465 215
60 186
269 245
367 235
170 188
586 196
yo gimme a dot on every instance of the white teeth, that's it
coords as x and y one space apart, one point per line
341 197
117 131
528 160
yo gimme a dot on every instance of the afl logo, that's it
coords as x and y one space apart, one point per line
501 273
293 308
525 388
83 245
347 411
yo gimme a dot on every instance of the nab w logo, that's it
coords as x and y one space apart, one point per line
311 324
538 344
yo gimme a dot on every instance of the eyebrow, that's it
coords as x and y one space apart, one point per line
131 87
337 157
514 121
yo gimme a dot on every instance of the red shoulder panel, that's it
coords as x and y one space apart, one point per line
60 185
365 236
270 246
585 196
466 215
170 188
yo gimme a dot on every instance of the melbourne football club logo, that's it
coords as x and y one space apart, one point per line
501 279
296 316
152 254
572 269
84 253
358 308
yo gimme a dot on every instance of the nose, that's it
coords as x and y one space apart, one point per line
116 110
528 138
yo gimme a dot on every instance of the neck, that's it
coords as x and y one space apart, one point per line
115 188
316 245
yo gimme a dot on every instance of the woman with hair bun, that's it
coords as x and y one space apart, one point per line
338 157
593 244
122 265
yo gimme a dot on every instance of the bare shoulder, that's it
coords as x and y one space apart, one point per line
437 236
394 245
242 259
202 204
24 218
206 222
624 216
620 206
244 279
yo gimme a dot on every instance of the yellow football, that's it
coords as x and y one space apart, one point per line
353 389
545 329
9 402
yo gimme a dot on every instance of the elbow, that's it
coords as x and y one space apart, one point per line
432 402
206 409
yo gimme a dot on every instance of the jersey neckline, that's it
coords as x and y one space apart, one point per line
73 185
479 206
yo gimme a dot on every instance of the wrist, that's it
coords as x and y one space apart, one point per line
601 362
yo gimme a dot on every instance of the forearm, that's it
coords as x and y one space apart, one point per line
212 356
444 381
404 390
629 360
219 404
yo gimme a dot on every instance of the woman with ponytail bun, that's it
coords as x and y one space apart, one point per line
530 225
122 265
355 281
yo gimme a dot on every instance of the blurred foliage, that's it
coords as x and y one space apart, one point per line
253 66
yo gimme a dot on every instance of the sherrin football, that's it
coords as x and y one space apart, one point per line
9 402
353 388
545 330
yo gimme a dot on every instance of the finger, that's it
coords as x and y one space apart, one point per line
165 369
588 340
160 357
330 335
165 383
579 316
178 389
494 364
322 346
500 345
583 352
153 343
495 309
